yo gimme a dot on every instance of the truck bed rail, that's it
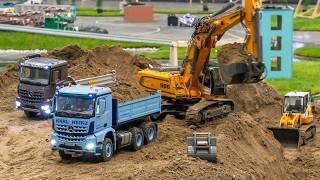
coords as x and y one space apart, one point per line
99 80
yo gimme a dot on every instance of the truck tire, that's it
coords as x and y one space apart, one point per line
150 132
107 150
137 139
30 114
64 156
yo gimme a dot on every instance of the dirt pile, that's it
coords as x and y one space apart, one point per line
84 64
246 150
102 60
232 53
8 87
259 100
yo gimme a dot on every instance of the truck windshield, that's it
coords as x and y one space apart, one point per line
293 104
34 75
75 106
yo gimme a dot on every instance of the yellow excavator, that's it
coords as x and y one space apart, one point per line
196 91
297 125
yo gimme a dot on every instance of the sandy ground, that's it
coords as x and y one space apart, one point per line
246 149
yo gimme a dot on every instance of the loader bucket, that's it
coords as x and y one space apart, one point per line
237 73
288 137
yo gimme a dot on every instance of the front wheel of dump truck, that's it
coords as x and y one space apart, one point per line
150 132
64 156
137 139
107 150
30 114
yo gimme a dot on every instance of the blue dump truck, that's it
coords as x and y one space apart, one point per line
89 121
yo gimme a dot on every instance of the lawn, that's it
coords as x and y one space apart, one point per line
305 78
305 24
117 12
309 52
28 41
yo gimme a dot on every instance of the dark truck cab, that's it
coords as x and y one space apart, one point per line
38 79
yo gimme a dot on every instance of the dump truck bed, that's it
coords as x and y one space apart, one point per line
136 109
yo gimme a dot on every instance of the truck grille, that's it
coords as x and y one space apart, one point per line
71 133
31 97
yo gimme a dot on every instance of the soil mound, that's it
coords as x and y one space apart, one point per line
232 53
259 100
84 64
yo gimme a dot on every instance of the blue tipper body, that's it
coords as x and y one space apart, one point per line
73 134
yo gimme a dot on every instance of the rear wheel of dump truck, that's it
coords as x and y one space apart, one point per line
150 132
63 155
137 139
30 114
107 150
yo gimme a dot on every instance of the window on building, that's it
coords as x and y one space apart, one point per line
276 22
275 63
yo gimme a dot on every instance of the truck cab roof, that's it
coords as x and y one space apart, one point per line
85 90
42 62
296 94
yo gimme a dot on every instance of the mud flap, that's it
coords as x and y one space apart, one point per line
237 73
288 137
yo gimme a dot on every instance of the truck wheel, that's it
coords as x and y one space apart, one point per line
64 155
107 150
149 131
137 139
30 114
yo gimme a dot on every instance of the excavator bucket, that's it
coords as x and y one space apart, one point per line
237 73
288 137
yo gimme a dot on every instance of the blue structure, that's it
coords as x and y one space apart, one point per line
276 31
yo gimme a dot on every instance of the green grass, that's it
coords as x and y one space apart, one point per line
305 78
305 24
93 12
311 52
27 41
4 64
117 12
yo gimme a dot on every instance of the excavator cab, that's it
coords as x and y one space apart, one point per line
211 82
296 125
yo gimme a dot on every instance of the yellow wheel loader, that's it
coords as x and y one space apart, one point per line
297 125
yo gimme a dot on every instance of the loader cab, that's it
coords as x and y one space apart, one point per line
296 102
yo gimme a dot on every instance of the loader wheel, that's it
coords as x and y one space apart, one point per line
150 132
64 156
107 150
137 139
30 114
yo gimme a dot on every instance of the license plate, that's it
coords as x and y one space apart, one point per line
70 144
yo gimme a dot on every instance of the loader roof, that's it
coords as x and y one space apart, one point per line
300 94
42 62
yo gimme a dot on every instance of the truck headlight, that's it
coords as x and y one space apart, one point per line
90 146
53 142
46 109
18 104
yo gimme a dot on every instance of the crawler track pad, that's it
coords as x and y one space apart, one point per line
288 137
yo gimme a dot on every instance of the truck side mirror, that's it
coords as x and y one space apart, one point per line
55 77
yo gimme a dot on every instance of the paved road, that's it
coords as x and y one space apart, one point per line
154 30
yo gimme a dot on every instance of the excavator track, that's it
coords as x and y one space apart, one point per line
204 111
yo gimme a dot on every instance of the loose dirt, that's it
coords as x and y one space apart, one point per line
246 149
232 53
84 64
